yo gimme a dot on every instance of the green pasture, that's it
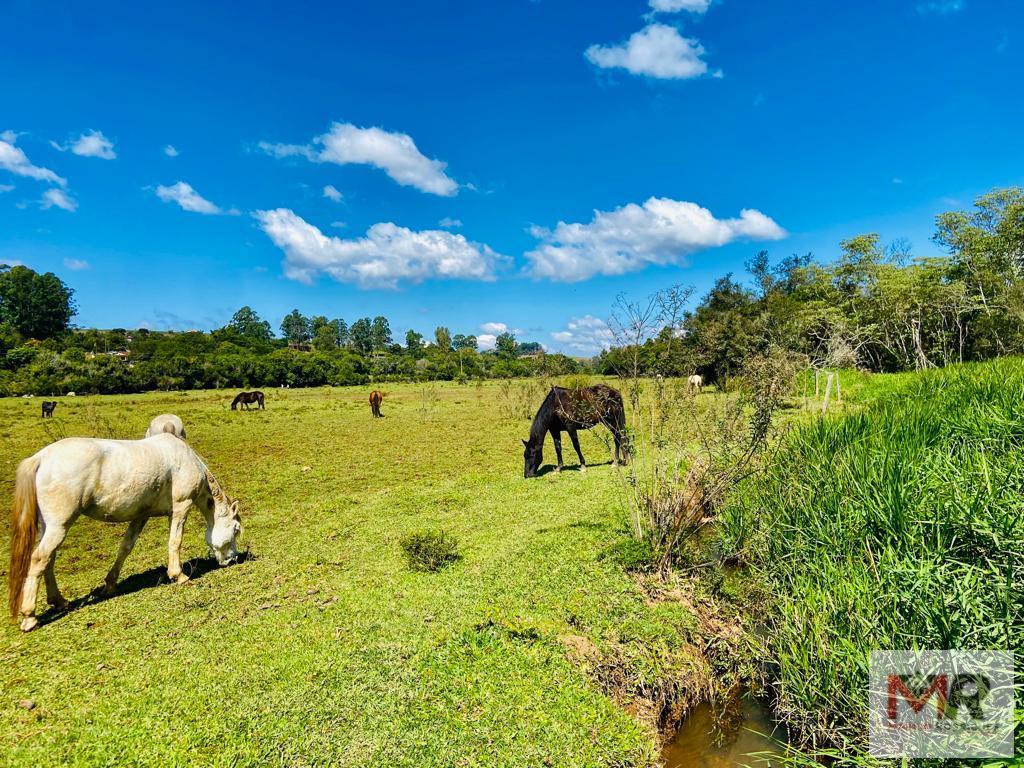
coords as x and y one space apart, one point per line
324 647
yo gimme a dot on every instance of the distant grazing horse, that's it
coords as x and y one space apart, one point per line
245 398
116 481
570 410
48 407
376 398
695 383
166 422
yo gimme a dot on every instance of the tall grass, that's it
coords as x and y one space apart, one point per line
895 527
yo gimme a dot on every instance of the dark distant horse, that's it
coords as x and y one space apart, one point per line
376 398
569 410
48 406
245 398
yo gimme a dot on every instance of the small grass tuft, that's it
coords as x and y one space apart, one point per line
430 550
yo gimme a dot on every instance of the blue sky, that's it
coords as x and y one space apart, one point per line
482 165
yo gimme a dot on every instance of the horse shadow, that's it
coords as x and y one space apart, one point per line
550 468
195 569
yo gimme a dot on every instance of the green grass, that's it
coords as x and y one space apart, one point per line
324 648
898 525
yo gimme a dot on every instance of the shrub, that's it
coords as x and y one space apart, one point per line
430 550
898 526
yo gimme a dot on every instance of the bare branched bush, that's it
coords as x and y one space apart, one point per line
690 450
518 400
428 397
110 426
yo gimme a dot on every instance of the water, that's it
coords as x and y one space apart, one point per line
699 742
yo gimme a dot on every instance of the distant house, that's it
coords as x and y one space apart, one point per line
124 354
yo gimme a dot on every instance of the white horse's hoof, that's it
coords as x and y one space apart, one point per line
181 578
583 467
29 623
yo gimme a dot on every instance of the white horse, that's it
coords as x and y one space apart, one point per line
695 383
166 422
116 481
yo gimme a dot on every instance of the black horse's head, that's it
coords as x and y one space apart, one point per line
532 456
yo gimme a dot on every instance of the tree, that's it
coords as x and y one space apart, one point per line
325 338
380 334
461 342
343 334
245 322
361 335
36 306
414 344
443 339
505 345
296 329
987 248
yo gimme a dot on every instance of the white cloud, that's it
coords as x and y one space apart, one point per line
91 144
450 223
171 151
661 231
15 161
585 335
183 194
941 6
657 50
58 198
676 6
332 194
394 153
6 188
386 255
339 224
485 341
76 265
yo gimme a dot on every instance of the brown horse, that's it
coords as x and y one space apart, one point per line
245 398
568 410
376 398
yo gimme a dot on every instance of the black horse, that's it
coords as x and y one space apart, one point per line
245 398
568 410
48 408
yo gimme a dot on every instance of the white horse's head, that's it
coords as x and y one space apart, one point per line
223 524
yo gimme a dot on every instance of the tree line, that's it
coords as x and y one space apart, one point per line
879 308
876 307
41 353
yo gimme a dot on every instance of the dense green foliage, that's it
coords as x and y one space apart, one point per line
32 305
877 308
244 353
898 526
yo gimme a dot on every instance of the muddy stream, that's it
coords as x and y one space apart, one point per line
700 743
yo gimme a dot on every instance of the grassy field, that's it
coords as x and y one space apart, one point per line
536 648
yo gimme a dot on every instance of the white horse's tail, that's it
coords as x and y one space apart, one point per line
24 530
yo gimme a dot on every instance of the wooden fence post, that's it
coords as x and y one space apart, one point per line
828 393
